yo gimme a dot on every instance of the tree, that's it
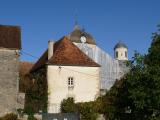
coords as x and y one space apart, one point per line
137 94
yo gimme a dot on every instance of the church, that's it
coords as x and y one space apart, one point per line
78 68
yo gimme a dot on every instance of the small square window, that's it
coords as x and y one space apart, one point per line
70 81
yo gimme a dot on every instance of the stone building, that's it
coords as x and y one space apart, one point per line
10 46
69 72
78 68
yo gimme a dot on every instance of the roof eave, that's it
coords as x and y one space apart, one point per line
73 65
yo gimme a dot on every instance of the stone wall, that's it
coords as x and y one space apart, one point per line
9 74
85 87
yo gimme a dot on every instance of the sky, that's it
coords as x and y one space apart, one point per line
108 21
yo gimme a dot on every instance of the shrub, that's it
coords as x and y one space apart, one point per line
10 116
87 110
68 106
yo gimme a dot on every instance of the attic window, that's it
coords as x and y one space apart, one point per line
70 82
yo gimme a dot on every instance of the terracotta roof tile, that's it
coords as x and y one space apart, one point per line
65 53
10 37
24 82
41 62
25 67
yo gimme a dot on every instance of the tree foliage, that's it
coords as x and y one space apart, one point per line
37 95
68 106
137 95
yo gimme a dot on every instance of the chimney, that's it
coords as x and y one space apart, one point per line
50 48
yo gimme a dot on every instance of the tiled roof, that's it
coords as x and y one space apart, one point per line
65 53
25 67
10 37
41 62
24 82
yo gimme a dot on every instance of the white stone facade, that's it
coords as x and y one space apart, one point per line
85 86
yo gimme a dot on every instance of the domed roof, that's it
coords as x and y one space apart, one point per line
76 34
120 45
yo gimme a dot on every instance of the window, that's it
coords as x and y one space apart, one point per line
116 54
65 118
126 54
55 119
70 82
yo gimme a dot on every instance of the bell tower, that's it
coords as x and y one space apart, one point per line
121 51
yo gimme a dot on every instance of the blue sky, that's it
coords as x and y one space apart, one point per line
108 21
